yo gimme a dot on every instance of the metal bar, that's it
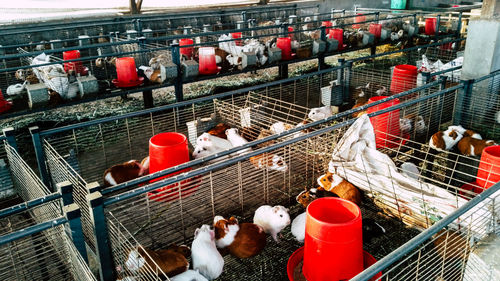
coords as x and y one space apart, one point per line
30 230
178 85
463 101
438 73
73 215
10 137
424 236
40 156
211 167
29 204
103 248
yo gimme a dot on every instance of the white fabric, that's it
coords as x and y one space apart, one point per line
357 160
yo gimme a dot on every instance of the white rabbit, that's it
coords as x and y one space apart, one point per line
207 149
280 127
320 113
210 140
204 254
272 219
236 140
190 275
299 227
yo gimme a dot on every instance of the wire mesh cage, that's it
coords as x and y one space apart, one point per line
177 210
45 254
456 249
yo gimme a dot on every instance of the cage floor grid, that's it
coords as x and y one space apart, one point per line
271 263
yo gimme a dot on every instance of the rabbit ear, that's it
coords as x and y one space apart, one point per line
275 209
196 232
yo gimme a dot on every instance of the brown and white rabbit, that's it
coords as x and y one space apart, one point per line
344 189
269 161
219 130
204 255
470 146
445 140
124 172
243 240
172 260
307 196
465 132
264 133
272 219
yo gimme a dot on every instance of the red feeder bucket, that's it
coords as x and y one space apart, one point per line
386 125
207 64
447 46
488 172
337 34
290 32
430 26
186 51
404 78
298 256
375 29
4 104
327 24
358 19
127 73
167 150
333 237
236 35
285 44
77 66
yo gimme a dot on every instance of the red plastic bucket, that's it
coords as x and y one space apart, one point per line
298 256
358 19
207 64
447 46
126 73
333 237
386 125
327 24
375 29
77 66
236 35
404 78
290 32
430 26
337 34
186 51
285 44
167 150
488 172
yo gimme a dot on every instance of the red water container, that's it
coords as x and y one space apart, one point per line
488 172
236 35
375 29
167 150
358 19
77 66
285 44
126 73
327 24
207 64
404 78
290 32
337 34
430 26
447 46
333 246
386 125
298 256
186 51
5 105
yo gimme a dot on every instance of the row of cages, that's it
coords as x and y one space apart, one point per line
143 215
220 19
38 227
37 81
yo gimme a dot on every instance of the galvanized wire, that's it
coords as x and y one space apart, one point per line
46 255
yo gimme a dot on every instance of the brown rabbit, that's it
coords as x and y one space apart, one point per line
126 171
219 130
341 187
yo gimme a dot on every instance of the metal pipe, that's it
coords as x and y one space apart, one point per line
29 204
30 230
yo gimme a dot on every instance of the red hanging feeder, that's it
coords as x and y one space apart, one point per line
404 78
386 125
337 34
77 66
430 26
126 73
285 44
186 51
167 150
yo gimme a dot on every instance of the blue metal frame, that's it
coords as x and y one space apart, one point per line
21 207
40 156
9 135
7 238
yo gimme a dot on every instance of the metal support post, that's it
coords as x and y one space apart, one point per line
74 215
40 156
11 138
